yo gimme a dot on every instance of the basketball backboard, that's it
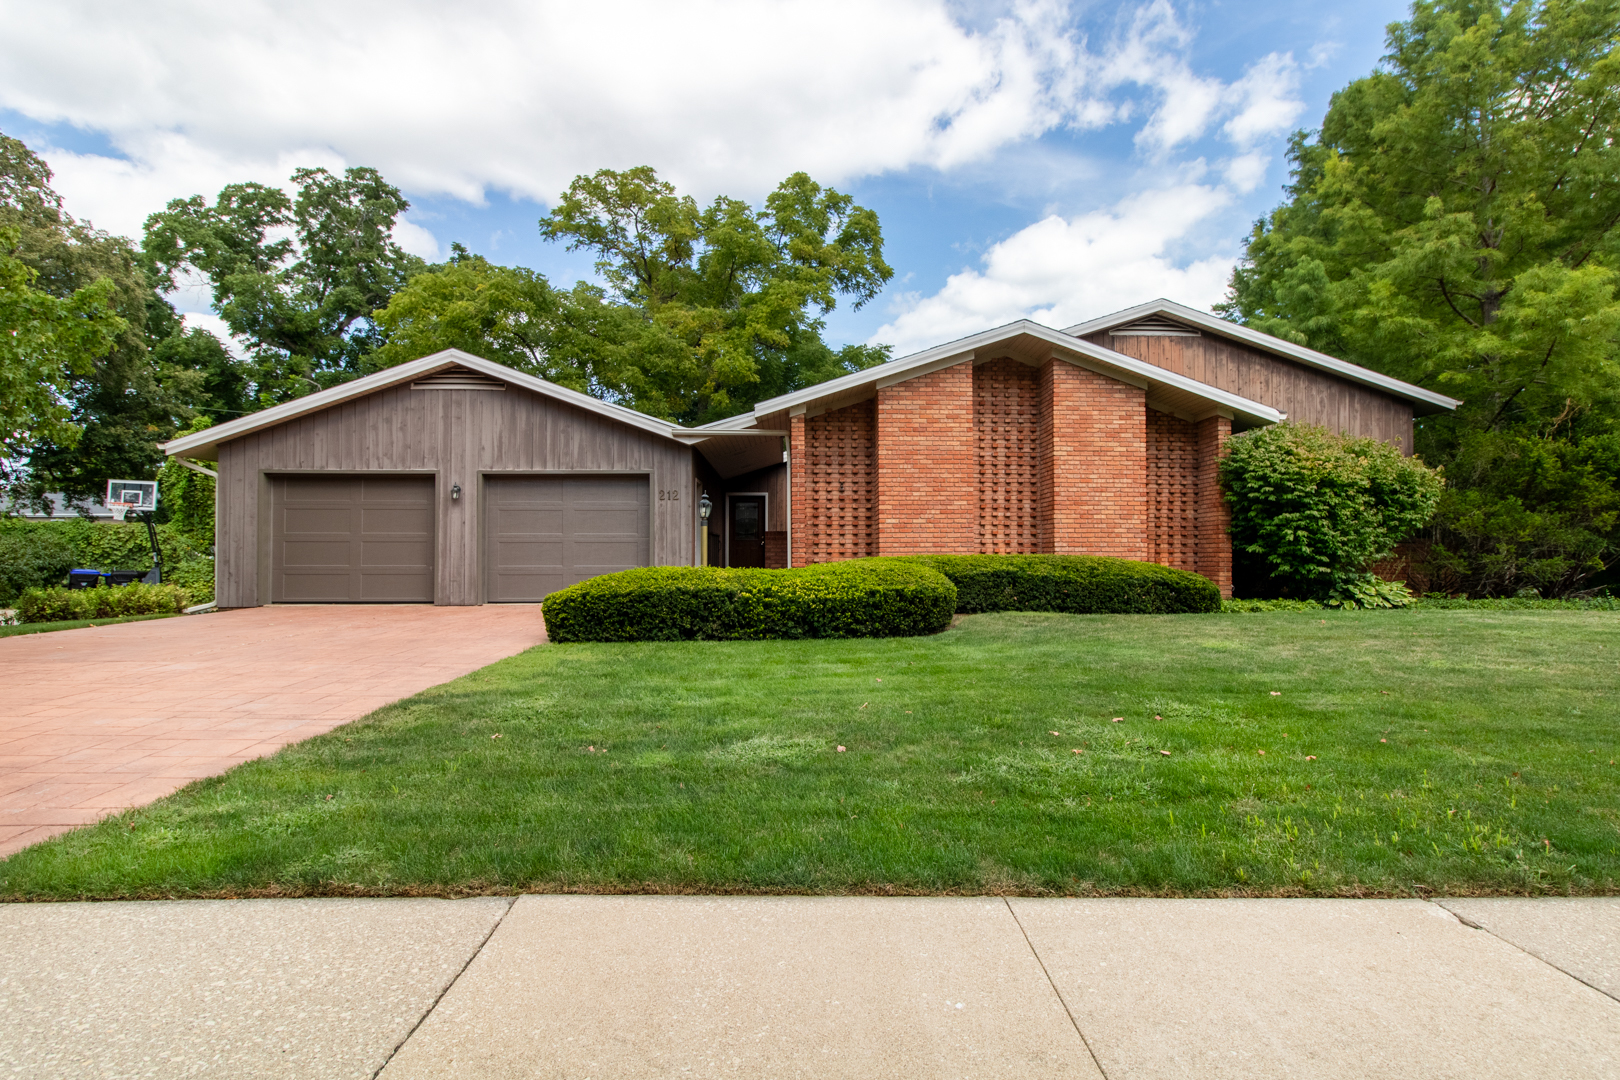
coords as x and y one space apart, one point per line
126 495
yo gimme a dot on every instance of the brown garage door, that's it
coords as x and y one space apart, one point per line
351 539
543 533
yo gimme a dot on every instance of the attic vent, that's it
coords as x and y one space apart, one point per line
1154 326
458 378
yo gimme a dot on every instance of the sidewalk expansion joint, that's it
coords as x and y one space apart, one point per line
1053 984
1514 944
434 1004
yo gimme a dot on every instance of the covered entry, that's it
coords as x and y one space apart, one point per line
543 533
351 539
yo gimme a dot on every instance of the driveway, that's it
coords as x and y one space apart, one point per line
94 721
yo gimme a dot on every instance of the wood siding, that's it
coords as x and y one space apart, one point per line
457 436
1305 394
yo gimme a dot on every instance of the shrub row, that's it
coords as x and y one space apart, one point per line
1075 584
859 598
40 553
60 604
1599 603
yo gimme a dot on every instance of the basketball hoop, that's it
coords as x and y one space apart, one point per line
120 509
126 495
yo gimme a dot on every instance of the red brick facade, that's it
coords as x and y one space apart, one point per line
1005 457
927 496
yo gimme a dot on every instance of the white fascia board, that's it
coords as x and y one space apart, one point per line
1117 365
406 372
1267 342
693 436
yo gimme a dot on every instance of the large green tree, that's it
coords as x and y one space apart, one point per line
297 278
112 401
702 311
1455 222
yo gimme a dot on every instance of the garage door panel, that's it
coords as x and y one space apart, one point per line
544 533
349 539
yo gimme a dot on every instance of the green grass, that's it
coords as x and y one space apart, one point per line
74 624
1454 751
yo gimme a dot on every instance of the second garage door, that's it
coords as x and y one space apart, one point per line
544 533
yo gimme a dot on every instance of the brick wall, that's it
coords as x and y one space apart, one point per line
776 550
834 480
928 499
1005 422
1092 468
1214 556
1172 487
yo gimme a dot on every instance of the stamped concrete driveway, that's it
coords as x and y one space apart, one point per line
93 721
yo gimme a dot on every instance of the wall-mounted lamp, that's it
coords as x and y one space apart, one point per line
705 508
455 491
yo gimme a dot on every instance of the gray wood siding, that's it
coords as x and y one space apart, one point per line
1304 393
458 436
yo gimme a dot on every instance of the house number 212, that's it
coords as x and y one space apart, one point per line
672 495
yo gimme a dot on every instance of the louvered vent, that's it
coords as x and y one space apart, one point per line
458 378
1154 326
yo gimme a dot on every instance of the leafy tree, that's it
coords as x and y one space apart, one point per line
1454 223
302 302
1313 510
46 343
115 401
704 312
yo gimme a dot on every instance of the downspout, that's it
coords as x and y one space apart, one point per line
787 484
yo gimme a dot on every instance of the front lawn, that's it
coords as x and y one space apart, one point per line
1317 753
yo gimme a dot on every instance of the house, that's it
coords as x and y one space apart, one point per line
454 480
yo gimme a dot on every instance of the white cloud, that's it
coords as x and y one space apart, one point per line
1061 270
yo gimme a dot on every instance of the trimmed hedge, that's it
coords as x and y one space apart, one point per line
858 598
62 604
1074 584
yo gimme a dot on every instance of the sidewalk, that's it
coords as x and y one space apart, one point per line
622 987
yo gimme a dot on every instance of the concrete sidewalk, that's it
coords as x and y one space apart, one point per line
571 986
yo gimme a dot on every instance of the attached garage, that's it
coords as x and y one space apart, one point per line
447 480
544 533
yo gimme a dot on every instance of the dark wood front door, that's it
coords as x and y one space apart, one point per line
747 530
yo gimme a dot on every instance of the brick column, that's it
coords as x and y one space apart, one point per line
928 491
1214 557
798 489
1091 467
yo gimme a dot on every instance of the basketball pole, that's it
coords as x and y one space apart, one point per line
156 576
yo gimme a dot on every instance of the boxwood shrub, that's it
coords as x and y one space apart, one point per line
1075 584
61 604
858 598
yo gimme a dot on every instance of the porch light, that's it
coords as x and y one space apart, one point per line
455 492
705 508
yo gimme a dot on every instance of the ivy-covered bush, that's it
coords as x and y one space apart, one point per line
1312 510
60 604
27 561
1076 584
30 553
859 598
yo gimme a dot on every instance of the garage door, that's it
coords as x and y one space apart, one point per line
543 533
351 539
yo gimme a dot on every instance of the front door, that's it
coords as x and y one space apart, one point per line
747 547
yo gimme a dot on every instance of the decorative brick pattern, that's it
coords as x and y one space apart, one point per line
1172 484
1005 422
1092 466
834 480
1214 519
928 499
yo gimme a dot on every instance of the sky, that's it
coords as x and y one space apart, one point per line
1042 159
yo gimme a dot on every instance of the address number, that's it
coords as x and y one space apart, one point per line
671 495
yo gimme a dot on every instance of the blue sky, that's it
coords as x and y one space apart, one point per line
1032 159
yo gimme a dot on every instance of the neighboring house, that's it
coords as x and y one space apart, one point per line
58 508
455 480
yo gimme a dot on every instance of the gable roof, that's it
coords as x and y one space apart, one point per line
205 444
1423 401
1177 391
